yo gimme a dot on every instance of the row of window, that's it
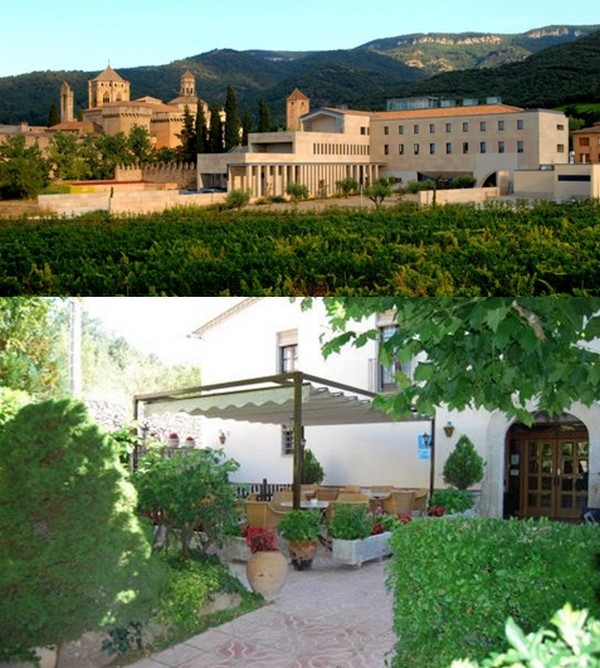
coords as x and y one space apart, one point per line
466 126
585 141
341 149
464 148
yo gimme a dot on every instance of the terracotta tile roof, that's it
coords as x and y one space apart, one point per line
476 110
595 129
297 95
349 112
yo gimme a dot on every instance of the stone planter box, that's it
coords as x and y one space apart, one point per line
354 552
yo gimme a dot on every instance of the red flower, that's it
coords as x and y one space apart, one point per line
260 539
377 528
436 511
404 518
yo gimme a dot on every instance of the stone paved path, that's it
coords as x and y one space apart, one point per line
329 617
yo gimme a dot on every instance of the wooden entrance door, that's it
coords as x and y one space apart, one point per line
552 474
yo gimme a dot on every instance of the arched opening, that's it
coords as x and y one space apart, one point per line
106 98
546 468
490 181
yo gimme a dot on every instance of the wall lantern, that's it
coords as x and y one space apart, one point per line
449 429
222 437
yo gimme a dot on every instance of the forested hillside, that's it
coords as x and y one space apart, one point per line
361 78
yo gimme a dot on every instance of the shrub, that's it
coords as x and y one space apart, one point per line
73 556
190 491
464 181
464 466
576 642
456 582
296 192
451 499
299 525
414 187
237 199
312 471
378 191
350 522
347 186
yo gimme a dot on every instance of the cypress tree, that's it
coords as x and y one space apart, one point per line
215 130
232 120
186 152
53 115
246 126
264 117
201 130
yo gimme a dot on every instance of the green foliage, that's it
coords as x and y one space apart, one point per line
192 584
232 120
464 466
24 172
264 117
246 124
188 147
377 192
573 642
73 556
53 115
201 130
28 358
190 492
65 158
464 181
414 187
11 402
237 199
139 144
296 192
215 130
519 349
122 639
455 583
350 522
299 525
452 251
453 500
348 186
312 471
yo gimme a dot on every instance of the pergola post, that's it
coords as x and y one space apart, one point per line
298 440
432 457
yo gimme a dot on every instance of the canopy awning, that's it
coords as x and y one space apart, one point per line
321 405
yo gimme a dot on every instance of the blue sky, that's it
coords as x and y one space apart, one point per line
68 35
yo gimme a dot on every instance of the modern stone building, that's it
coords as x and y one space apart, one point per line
421 141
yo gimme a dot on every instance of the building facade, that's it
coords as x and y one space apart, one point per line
551 469
486 141
586 145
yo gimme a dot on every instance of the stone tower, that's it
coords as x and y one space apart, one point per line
107 87
297 105
188 85
66 103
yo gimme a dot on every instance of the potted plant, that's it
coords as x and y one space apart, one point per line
267 569
358 536
301 529
449 501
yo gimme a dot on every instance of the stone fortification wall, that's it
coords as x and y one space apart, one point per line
184 175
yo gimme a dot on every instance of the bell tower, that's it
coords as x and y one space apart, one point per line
188 85
66 103
297 104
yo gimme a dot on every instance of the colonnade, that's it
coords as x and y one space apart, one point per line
271 180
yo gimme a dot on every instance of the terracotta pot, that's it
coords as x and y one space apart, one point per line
267 573
302 554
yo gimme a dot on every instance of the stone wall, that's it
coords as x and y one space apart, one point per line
457 195
184 175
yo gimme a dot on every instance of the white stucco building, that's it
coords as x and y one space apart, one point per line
551 469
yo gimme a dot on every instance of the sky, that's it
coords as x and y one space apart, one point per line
159 325
66 35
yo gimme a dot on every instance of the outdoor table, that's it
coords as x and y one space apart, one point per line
307 505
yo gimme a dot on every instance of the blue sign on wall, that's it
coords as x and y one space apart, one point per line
424 446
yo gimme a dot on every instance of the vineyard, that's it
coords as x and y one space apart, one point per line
452 250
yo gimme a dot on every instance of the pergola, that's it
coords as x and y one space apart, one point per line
294 397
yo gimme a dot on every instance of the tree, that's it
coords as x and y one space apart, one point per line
73 556
237 199
187 150
246 123
188 490
66 158
264 117
296 192
503 353
140 145
201 130
24 172
464 466
232 120
53 115
378 191
347 186
312 471
28 357
215 130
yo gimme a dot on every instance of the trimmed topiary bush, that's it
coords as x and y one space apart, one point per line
312 471
464 466
456 582
73 555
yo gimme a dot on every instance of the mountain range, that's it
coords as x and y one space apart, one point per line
544 67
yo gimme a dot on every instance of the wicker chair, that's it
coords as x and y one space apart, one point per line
262 514
281 496
399 502
420 501
347 499
354 489
327 493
